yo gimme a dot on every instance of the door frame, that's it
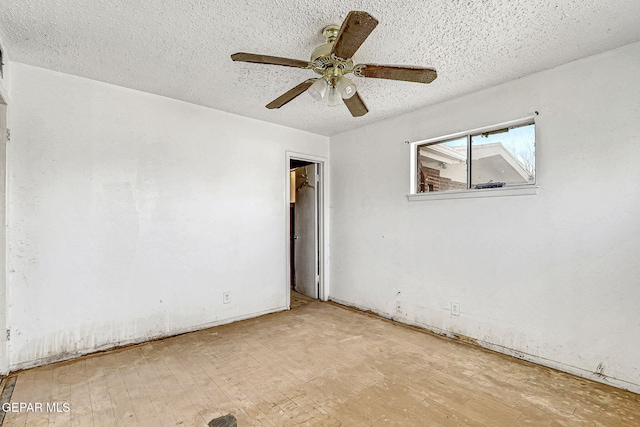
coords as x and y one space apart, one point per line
323 222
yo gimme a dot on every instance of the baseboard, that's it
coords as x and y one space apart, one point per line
141 340
560 366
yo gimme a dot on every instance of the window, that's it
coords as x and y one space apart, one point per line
502 156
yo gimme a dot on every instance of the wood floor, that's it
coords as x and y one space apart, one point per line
298 299
318 364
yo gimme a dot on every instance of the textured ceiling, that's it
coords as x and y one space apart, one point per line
181 49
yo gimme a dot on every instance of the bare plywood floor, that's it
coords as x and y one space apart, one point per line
319 364
298 299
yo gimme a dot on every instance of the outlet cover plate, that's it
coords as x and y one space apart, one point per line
455 309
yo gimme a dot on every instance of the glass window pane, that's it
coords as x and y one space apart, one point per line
503 157
442 166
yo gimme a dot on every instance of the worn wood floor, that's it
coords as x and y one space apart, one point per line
298 299
318 364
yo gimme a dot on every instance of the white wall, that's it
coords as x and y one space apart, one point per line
3 235
4 107
131 214
6 74
553 277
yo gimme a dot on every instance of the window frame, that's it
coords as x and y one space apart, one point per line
512 190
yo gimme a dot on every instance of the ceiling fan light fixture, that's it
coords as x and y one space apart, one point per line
345 87
318 90
333 97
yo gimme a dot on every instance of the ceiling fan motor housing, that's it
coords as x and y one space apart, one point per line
321 56
326 64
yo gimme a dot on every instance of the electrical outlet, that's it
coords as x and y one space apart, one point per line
226 297
455 308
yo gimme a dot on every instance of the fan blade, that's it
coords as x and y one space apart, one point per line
354 31
393 72
356 106
266 59
290 95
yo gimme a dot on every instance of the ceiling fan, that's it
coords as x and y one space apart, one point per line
333 59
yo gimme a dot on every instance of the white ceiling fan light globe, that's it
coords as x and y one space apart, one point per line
334 97
346 87
318 89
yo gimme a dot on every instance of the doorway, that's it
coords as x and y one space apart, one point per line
305 229
305 270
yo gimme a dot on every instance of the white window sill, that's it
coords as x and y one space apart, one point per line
529 190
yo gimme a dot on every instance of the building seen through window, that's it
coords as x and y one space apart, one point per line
499 158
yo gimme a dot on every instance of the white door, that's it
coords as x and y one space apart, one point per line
306 231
